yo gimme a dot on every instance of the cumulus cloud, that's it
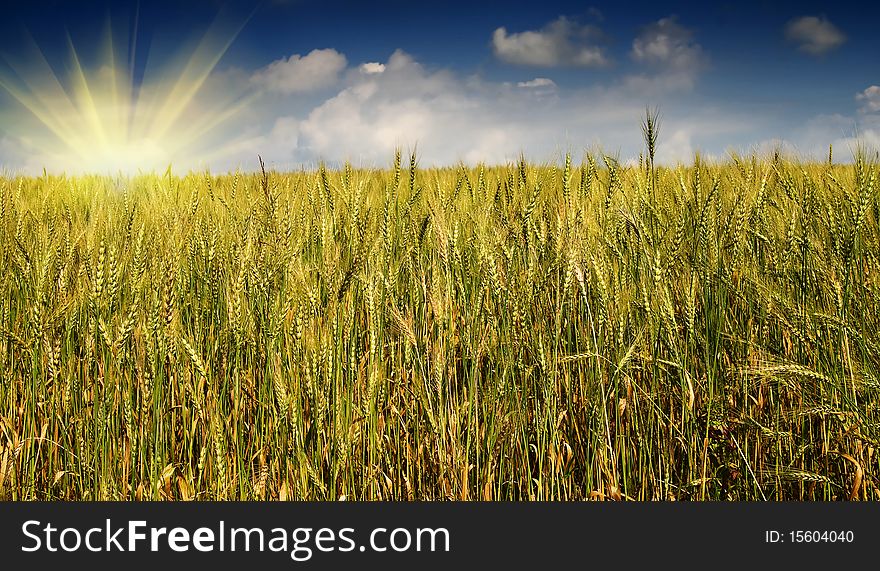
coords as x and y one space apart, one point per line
452 117
673 58
404 105
668 44
562 42
299 74
372 67
870 99
814 35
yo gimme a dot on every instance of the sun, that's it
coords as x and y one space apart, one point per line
105 118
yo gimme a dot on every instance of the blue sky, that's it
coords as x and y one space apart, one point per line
484 81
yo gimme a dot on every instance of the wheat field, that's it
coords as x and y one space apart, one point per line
587 330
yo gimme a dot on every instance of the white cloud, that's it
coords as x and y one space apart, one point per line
537 83
814 35
677 147
668 44
451 118
870 99
562 42
299 74
671 55
372 67
844 133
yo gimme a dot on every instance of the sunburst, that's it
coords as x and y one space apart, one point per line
100 118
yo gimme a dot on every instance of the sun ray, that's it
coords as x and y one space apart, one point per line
36 86
99 117
213 120
83 94
203 60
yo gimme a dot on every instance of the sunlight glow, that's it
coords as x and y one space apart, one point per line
103 120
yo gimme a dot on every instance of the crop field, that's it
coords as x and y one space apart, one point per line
586 330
